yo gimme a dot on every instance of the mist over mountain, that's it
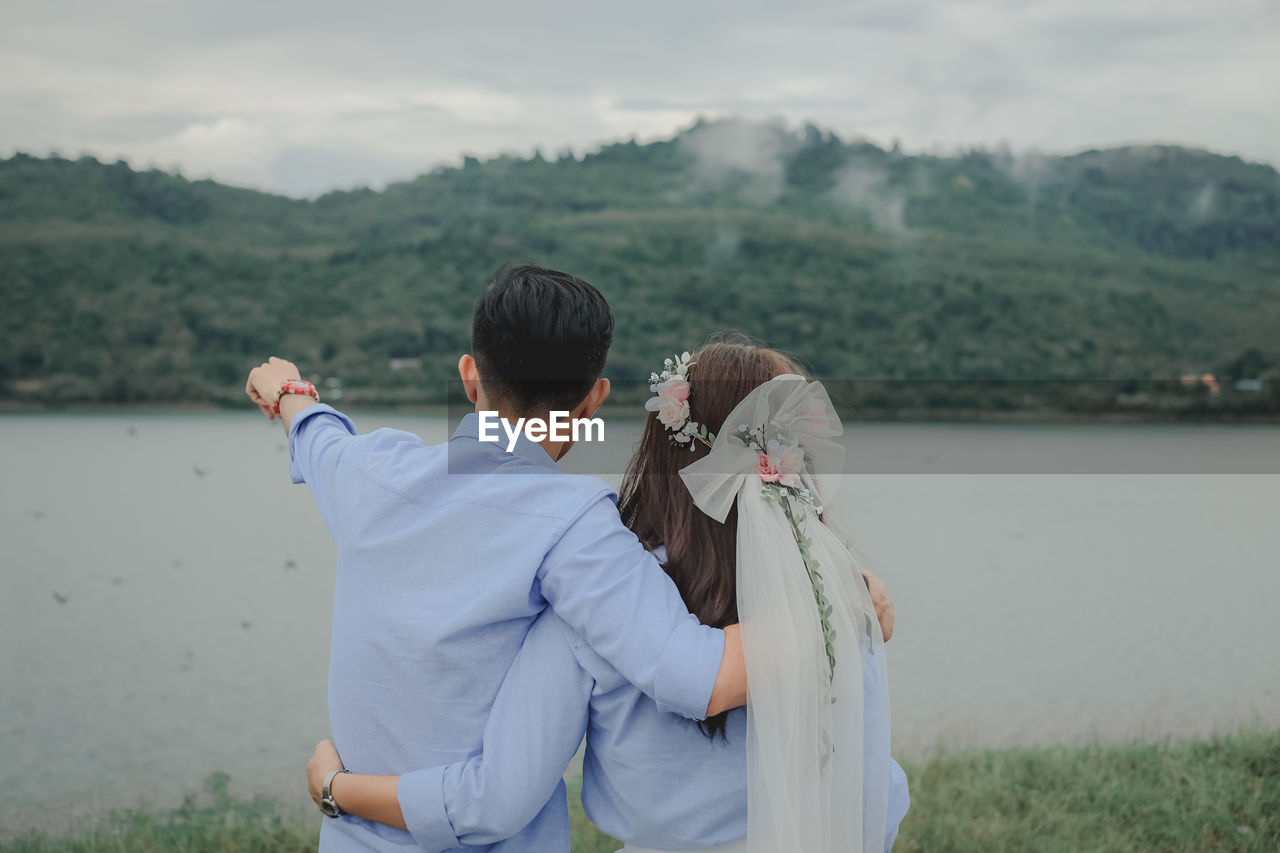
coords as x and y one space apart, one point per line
1137 263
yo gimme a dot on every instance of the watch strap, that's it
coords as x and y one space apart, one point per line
327 803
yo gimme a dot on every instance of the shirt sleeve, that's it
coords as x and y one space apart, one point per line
318 437
534 728
614 593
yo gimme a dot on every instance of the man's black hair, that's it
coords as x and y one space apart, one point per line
539 338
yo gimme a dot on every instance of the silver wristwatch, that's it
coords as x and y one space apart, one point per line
327 804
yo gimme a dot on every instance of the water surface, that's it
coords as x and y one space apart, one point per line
165 592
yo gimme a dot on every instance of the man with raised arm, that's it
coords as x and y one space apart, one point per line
447 553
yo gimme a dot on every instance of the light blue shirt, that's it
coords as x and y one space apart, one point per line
446 554
649 777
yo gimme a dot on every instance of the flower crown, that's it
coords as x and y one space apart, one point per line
671 402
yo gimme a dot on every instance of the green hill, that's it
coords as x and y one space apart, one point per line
1135 264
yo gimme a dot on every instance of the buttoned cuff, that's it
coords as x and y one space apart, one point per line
688 669
295 473
421 797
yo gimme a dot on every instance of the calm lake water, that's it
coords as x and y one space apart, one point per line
165 592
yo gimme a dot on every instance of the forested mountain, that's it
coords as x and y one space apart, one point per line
1139 263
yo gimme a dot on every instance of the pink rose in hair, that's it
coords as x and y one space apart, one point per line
675 388
671 402
766 468
672 412
780 464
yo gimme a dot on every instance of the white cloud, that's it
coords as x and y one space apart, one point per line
866 189
352 93
727 150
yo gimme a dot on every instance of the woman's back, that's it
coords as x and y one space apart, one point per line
730 477
654 779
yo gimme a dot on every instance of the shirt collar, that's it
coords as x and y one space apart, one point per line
531 451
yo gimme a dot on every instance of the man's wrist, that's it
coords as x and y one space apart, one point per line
292 404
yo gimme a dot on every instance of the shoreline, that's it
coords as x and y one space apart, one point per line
1028 417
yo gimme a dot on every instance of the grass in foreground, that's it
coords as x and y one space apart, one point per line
1216 794
215 823
1221 794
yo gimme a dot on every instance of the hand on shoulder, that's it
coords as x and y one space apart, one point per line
883 603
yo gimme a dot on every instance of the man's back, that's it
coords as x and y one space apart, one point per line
446 554
438 553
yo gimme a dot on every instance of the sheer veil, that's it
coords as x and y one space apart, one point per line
806 617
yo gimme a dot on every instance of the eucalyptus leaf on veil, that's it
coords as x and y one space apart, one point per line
805 614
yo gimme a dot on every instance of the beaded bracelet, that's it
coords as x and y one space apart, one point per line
295 386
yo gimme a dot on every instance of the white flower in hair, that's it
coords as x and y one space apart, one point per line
671 402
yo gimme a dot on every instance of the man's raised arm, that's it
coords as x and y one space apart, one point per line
318 434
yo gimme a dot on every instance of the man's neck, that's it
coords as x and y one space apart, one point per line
555 449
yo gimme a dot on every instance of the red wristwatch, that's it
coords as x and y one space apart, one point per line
294 386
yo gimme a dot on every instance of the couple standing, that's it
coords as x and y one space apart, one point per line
490 611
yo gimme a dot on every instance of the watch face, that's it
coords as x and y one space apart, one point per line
329 807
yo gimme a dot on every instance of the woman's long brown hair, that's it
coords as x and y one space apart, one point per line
653 500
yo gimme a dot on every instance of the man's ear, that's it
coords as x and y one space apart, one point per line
595 399
470 377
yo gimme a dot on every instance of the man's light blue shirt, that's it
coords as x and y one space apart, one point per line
649 777
446 555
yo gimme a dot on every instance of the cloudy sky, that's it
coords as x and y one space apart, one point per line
301 97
